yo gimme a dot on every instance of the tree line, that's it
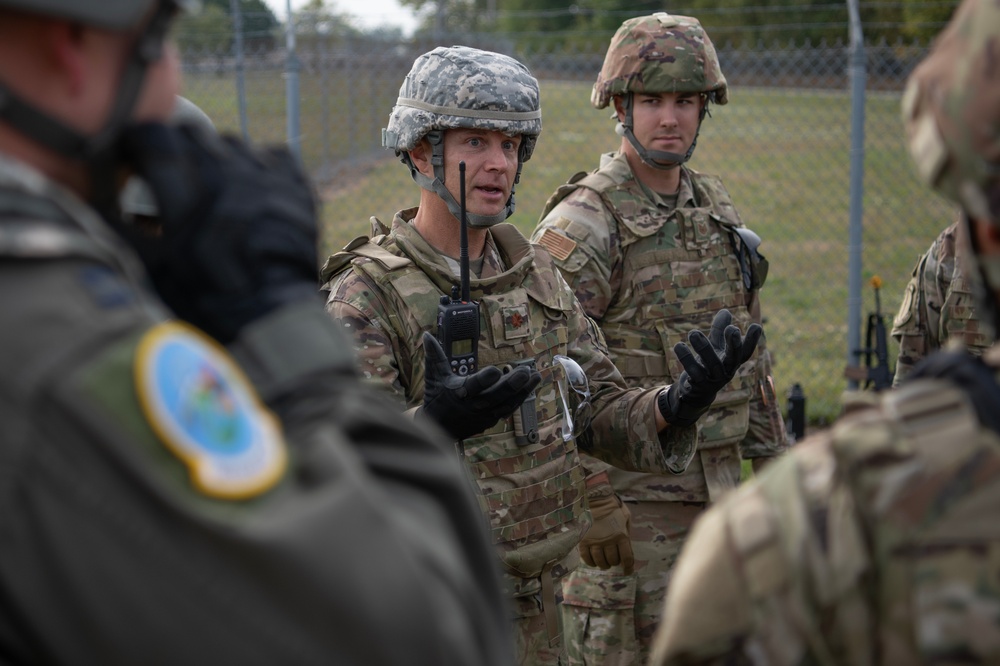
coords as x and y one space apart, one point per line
584 25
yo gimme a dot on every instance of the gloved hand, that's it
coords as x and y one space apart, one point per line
238 226
720 355
607 543
976 379
466 406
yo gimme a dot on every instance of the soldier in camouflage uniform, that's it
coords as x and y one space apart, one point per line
876 542
652 249
165 499
458 108
938 306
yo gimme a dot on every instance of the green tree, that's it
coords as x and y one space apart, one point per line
315 18
586 23
209 31
259 22
923 20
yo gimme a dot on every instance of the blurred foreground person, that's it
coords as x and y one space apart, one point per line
166 499
876 542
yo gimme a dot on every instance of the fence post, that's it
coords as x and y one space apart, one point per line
241 95
858 75
292 86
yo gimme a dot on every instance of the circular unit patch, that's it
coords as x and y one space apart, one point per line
207 413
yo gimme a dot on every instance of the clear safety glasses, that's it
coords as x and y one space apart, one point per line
578 420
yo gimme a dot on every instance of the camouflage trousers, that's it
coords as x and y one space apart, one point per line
537 624
609 618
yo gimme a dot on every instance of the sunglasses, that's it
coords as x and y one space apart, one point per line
576 379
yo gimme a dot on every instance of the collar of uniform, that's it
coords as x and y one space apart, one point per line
685 193
513 249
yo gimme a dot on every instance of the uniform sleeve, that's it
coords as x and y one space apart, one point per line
623 431
917 324
368 548
581 236
364 322
772 574
766 436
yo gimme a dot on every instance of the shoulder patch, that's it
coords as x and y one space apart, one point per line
558 245
207 413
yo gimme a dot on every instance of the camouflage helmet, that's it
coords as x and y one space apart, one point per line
461 87
660 53
951 110
111 14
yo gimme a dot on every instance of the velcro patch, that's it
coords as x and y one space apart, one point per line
559 246
207 413
515 322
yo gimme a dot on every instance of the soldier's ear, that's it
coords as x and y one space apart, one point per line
420 155
619 107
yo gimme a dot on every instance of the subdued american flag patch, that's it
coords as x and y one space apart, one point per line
559 246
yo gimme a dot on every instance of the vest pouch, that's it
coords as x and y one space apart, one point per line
638 355
528 561
959 317
698 226
534 495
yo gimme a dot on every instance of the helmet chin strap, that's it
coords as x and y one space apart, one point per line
658 159
436 184
99 151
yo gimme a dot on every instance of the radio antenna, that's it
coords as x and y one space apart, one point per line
463 256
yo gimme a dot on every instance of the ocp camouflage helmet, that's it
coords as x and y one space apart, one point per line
951 110
459 86
111 14
660 53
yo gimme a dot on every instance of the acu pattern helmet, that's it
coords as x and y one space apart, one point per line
659 53
951 110
462 87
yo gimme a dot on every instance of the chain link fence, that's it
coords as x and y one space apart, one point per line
783 147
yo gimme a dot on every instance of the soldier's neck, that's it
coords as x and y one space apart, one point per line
442 230
661 181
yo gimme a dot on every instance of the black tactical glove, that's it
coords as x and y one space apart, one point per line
238 226
466 406
720 355
976 379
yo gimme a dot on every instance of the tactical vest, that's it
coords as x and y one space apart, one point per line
709 267
886 532
533 494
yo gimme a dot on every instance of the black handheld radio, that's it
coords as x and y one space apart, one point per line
458 316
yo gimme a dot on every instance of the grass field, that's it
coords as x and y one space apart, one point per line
784 156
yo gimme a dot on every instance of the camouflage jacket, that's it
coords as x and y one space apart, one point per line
938 307
385 293
870 543
649 274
